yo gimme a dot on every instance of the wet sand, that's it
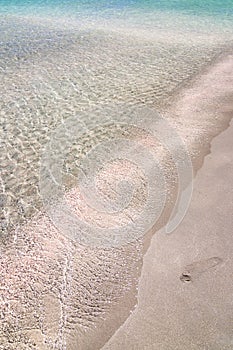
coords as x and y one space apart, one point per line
185 290
52 298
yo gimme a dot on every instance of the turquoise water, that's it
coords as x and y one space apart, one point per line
78 10
23 22
214 7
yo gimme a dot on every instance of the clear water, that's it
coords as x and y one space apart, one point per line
58 58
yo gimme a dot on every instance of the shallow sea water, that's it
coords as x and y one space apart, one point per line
57 59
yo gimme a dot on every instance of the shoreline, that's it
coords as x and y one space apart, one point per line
208 93
183 102
196 312
178 105
118 340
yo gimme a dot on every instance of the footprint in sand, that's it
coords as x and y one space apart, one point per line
195 269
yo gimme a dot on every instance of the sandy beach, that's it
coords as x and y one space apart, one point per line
185 290
111 115
65 296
